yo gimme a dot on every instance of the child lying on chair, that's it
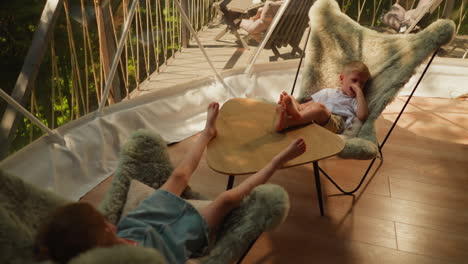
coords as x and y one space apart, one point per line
164 220
334 109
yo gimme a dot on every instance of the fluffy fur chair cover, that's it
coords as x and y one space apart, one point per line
336 39
23 207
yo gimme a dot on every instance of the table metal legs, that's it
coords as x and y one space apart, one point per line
230 182
318 186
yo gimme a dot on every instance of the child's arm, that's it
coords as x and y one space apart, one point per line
362 111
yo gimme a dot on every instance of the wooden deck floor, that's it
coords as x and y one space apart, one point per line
413 210
190 63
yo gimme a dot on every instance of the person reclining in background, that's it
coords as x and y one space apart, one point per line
164 220
334 109
262 19
401 19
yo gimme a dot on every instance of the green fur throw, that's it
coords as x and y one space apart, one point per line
23 207
335 39
143 158
264 209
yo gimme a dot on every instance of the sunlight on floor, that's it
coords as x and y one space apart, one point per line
451 125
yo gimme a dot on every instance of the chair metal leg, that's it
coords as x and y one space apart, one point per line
230 182
300 63
360 182
409 98
222 33
318 186
275 51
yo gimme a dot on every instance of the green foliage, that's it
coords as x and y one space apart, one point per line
346 5
62 110
15 37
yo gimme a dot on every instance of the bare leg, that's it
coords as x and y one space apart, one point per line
311 112
281 122
180 177
282 95
293 108
215 212
315 112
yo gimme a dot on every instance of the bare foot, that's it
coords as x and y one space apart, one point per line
290 107
210 127
282 95
295 149
281 117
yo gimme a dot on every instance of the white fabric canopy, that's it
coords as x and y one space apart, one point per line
445 78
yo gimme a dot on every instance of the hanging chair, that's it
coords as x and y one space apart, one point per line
335 39
23 207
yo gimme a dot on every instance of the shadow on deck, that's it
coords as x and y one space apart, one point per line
190 63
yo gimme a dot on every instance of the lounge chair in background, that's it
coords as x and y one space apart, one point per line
290 28
259 23
405 21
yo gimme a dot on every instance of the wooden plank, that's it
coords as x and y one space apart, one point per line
428 216
369 230
406 212
29 71
185 33
287 246
348 179
438 171
107 48
448 246
429 194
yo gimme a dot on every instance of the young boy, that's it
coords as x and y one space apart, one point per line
334 109
164 220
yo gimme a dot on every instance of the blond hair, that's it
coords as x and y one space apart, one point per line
356 66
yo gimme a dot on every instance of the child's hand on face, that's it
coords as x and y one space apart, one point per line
355 89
